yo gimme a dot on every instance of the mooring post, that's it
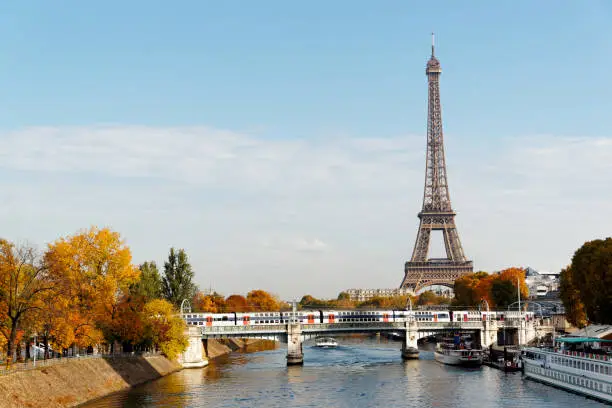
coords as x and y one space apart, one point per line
410 348
295 354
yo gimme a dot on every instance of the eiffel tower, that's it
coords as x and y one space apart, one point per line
437 213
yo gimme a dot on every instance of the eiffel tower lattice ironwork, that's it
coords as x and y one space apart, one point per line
437 213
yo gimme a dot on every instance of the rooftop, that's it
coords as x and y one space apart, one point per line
594 330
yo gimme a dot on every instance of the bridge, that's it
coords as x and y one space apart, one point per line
294 333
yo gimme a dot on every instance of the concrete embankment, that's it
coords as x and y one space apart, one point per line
79 381
216 348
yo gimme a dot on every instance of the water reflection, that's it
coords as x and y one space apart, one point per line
359 373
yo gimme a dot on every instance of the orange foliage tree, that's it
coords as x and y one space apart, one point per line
496 289
236 303
24 281
470 289
214 303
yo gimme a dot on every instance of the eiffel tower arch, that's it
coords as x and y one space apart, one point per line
436 213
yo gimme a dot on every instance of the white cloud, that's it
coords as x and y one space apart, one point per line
296 215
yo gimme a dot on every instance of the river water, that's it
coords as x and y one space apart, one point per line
361 372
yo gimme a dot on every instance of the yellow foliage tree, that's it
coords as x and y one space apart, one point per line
260 300
94 269
165 328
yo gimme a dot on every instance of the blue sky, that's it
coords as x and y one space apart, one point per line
272 136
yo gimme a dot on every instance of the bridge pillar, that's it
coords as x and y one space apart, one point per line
488 334
409 346
529 331
192 356
295 354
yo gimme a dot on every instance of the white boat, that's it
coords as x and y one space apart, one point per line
456 351
326 342
579 366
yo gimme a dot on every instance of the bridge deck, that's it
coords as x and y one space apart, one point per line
330 328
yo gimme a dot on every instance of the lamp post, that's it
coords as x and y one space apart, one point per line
35 349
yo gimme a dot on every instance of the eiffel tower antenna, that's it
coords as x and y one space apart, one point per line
436 213
433 43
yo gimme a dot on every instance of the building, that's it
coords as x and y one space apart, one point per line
361 295
561 324
541 283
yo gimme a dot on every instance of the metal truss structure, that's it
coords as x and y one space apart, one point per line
437 213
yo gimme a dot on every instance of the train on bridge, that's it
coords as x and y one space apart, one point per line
306 317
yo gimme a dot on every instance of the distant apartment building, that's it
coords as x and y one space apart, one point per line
361 295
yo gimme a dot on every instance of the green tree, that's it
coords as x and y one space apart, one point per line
503 292
430 298
149 286
343 296
591 274
570 296
177 283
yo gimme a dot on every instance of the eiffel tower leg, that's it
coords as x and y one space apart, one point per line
448 245
421 247
455 245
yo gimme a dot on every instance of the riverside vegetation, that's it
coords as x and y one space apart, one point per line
84 292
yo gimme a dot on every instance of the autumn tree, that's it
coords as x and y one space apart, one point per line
503 293
591 275
149 286
213 303
177 282
165 328
343 296
470 289
262 300
236 303
55 320
517 277
93 269
24 281
570 296
430 298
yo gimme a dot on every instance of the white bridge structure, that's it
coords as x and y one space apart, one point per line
295 327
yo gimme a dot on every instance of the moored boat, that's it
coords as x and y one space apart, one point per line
506 358
580 365
326 342
457 351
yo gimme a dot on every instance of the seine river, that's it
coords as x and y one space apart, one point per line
359 373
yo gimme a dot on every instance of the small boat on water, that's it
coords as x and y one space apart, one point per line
326 342
507 359
458 350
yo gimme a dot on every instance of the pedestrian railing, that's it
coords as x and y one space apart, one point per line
36 364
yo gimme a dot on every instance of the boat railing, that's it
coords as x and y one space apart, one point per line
592 356
581 354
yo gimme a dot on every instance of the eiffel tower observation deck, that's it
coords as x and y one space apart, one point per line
437 213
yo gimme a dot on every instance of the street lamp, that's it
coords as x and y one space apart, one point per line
35 349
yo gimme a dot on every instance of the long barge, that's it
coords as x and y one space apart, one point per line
583 371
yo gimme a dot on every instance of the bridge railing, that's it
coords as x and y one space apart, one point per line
264 328
356 326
